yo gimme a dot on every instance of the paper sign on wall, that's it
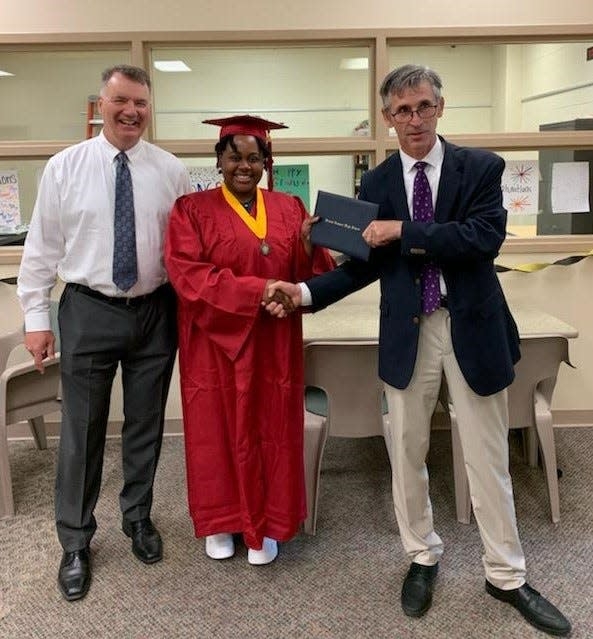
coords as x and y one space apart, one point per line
293 179
203 178
570 187
520 186
10 210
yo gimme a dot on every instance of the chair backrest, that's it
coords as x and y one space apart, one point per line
530 372
54 306
26 394
347 371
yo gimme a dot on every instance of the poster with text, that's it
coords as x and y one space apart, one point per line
293 179
10 210
520 187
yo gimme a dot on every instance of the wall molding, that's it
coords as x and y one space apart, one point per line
506 34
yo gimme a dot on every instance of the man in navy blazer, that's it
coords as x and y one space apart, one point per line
440 225
469 229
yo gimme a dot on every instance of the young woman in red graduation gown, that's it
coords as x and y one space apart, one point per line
241 369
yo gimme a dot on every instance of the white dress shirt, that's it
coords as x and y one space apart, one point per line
71 231
434 164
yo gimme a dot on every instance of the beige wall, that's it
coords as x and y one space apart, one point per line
561 291
72 16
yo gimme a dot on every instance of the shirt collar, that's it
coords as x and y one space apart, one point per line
113 151
433 158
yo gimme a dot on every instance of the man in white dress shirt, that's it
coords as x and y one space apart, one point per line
102 324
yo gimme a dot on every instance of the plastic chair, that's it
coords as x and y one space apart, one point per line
25 394
315 438
530 399
347 372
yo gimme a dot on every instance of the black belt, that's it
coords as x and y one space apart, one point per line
116 301
444 302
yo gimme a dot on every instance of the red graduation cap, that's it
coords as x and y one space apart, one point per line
250 125
245 125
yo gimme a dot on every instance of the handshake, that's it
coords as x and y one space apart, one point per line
281 298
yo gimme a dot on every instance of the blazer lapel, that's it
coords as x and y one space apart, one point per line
448 184
397 190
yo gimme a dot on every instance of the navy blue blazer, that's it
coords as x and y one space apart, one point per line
463 241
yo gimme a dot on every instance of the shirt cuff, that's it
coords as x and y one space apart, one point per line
37 322
306 297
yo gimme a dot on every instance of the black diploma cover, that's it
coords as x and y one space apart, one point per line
342 221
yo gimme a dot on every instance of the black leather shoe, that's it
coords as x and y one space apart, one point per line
74 575
147 544
417 589
537 610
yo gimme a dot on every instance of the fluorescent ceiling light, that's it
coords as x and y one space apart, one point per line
171 66
354 64
5 73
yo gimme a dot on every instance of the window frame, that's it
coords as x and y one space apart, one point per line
378 144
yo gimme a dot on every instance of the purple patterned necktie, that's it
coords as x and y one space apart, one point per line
125 264
424 212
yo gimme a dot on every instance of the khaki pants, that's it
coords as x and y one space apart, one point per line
483 430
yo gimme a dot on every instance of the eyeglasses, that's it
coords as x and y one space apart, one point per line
425 112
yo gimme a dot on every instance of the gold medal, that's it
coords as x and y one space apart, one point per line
258 225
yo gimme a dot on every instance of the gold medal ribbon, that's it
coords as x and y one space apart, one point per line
258 225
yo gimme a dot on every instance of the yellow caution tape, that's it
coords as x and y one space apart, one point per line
538 266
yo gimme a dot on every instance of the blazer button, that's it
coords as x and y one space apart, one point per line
416 320
417 281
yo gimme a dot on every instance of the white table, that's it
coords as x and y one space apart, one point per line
544 346
356 317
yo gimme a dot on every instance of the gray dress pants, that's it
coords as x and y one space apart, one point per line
98 333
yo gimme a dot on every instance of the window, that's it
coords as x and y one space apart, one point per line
492 88
316 91
45 97
518 99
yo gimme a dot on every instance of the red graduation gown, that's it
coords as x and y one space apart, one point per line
241 370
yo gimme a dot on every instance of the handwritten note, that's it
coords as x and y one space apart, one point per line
570 187
10 210
203 178
293 179
520 186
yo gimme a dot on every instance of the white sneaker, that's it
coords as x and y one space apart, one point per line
221 546
267 554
